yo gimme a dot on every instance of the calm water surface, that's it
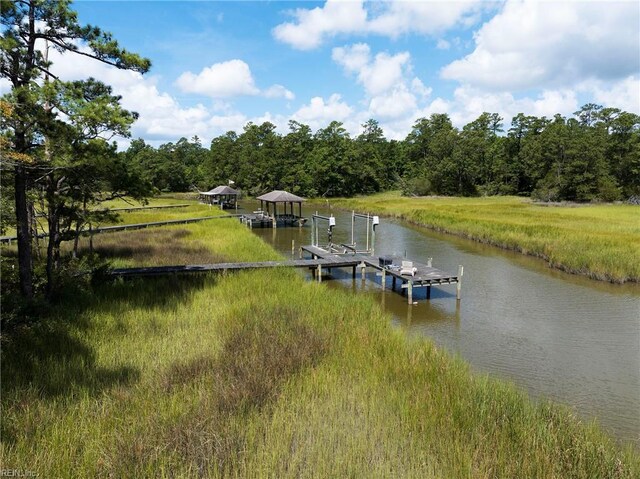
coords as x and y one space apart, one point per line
567 338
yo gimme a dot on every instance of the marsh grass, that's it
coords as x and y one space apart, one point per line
194 210
598 241
150 247
261 374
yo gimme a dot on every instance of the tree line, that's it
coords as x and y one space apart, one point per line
594 155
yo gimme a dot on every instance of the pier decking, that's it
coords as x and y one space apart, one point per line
321 260
425 276
315 264
260 219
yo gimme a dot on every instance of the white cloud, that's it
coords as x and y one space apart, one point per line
162 118
278 91
534 44
395 103
624 94
418 88
160 113
224 123
353 58
389 85
220 80
226 80
469 103
311 27
443 44
425 17
319 113
377 76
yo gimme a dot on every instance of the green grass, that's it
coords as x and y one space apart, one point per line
194 210
599 241
264 374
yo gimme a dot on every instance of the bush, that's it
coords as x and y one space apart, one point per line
417 186
608 190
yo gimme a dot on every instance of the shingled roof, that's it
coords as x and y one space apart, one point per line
279 196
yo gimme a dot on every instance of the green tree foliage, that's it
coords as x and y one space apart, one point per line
296 149
431 168
594 156
29 28
333 161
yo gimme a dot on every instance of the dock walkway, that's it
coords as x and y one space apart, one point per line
130 226
315 264
425 276
321 260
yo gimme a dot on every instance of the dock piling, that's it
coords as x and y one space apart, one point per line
459 284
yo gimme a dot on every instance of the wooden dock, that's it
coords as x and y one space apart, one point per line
313 264
263 220
154 207
130 226
425 275
321 261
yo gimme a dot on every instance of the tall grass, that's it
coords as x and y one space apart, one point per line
263 374
599 241
194 210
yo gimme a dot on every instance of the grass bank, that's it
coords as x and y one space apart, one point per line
263 374
143 215
599 241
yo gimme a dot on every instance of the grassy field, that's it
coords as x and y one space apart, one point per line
262 374
194 210
599 241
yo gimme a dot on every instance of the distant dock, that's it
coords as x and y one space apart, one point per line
259 219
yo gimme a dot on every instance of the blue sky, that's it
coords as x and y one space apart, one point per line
218 65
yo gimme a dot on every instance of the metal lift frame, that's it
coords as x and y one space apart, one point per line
372 222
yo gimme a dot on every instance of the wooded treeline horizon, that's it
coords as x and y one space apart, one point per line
592 156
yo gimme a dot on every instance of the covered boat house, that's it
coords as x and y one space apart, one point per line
223 196
284 215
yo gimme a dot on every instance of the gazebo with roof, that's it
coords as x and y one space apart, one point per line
224 196
270 202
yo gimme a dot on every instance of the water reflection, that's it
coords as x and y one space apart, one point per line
557 335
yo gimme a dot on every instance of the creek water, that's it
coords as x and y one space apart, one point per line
558 336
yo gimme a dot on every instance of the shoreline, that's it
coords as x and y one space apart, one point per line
389 212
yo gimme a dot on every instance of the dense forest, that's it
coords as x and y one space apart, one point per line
592 156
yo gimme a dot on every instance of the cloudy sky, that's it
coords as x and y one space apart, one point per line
218 65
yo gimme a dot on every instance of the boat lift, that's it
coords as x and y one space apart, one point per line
315 232
371 222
